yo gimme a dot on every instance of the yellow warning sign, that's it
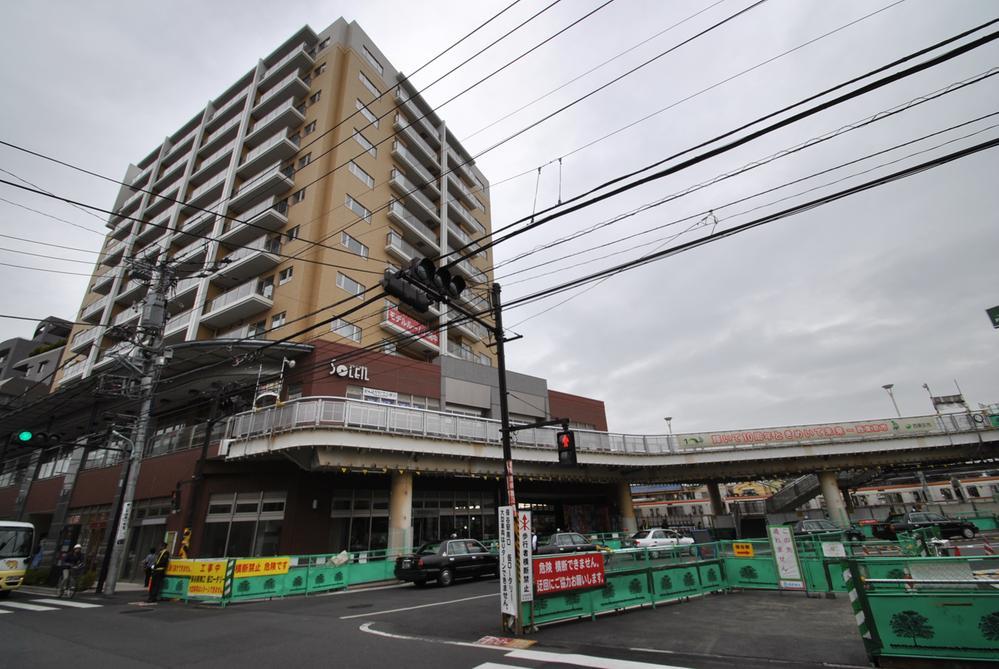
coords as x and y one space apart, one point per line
743 549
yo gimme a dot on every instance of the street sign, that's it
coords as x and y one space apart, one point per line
993 316
743 549
507 563
568 572
524 564
786 558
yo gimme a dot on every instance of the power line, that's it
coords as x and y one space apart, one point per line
47 215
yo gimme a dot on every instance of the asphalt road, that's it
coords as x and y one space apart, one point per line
432 627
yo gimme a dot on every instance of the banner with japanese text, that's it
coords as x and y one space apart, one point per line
507 562
560 573
786 558
261 567
205 578
524 532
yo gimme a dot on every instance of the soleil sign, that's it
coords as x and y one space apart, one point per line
348 371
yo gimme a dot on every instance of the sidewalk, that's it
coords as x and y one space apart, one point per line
126 591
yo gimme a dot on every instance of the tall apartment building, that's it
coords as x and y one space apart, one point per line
321 141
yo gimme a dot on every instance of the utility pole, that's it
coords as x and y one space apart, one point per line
149 355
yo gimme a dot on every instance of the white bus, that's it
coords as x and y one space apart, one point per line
16 541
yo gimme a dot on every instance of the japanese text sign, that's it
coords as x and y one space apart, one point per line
568 572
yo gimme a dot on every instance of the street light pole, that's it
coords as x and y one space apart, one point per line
669 424
888 388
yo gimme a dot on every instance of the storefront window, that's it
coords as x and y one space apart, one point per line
244 524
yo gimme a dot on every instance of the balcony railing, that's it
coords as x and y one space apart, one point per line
178 322
248 289
412 138
407 158
84 338
285 86
128 315
73 370
94 309
260 244
301 53
408 190
401 215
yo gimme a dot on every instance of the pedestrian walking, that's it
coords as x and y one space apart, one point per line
148 563
159 572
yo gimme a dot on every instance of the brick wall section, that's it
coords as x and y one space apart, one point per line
579 409
385 372
8 500
95 487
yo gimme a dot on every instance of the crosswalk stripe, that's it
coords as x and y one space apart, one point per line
590 661
27 607
66 602
2 611
493 665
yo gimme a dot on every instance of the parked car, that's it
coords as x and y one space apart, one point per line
565 542
915 520
824 526
445 561
657 537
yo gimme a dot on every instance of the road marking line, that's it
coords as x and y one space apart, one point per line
493 665
66 602
359 590
585 660
1 611
421 606
732 658
27 607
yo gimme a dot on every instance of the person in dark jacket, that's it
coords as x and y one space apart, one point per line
159 572
147 564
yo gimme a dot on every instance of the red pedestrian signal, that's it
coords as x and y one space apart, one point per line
565 442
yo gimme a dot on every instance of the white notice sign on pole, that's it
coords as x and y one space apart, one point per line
526 566
508 567
786 558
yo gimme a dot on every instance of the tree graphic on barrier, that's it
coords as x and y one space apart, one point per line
666 583
989 625
749 573
541 604
572 598
712 575
320 579
688 580
297 582
338 576
911 624
635 586
244 586
269 584
608 591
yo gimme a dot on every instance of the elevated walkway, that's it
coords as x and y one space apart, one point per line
805 488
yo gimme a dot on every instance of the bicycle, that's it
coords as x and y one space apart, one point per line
68 583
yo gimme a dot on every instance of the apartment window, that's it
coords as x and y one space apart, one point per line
353 245
41 367
346 329
292 233
314 98
309 129
346 283
319 70
304 160
367 84
365 144
285 275
325 43
358 209
371 59
296 197
277 320
256 329
365 178
296 138
367 113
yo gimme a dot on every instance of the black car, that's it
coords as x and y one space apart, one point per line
917 520
565 542
444 561
824 526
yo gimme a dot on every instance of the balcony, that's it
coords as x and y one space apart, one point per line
238 304
277 148
413 230
423 337
269 215
176 326
185 288
413 197
248 261
109 355
128 315
296 61
92 312
291 86
180 146
456 212
242 332
72 371
131 205
459 239
84 338
161 200
112 253
206 192
419 120
131 291
143 176
459 164
152 251
470 329
225 132
400 248
192 256
474 303
121 229
415 168
474 275
458 187
170 174
103 282
199 222
273 181
413 140
154 228
226 109
213 164
285 116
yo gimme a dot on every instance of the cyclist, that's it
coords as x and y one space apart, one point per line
72 567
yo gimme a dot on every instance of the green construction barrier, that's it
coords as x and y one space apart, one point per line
941 608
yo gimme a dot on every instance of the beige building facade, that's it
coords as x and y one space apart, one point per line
292 191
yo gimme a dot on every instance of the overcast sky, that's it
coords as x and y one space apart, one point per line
800 321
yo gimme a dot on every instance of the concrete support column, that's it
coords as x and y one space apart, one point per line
717 505
835 506
401 511
627 508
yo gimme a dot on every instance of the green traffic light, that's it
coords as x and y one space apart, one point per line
25 436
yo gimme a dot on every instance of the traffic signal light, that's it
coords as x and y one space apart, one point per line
35 439
565 442
394 284
439 279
